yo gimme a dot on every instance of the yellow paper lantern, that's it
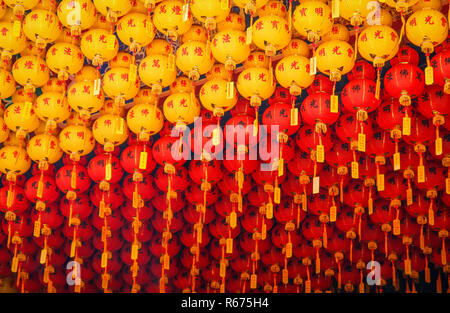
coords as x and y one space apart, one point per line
52 107
113 9
297 47
335 58
145 95
170 18
401 5
159 46
21 118
229 47
195 33
20 6
77 15
4 130
312 19
22 96
232 21
99 46
9 43
427 4
118 83
427 28
30 72
136 30
271 33
218 96
256 84
156 72
87 73
250 5
181 108
219 70
210 12
83 98
194 59
44 148
145 120
54 85
122 59
182 84
110 130
337 32
110 107
273 7
257 59
76 140
42 27
378 44
7 84
64 59
293 72
14 160
49 5
384 18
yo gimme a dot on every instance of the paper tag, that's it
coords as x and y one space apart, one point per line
233 219
43 257
222 269
313 66
320 154
429 75
355 170
14 264
316 185
104 261
333 213
229 245
120 127
37 229
335 9
73 245
304 203
40 189
97 86
406 129
143 160
111 42
289 250
294 117
308 286
280 167
230 90
421 174
370 204
362 142
108 171
408 267
133 73
380 182
249 37
427 275
185 12
396 161
361 288
317 266
253 281
430 216
438 146
409 196
447 186
334 104
134 252
255 128
27 110
45 278
396 227
269 211
166 262
264 232
284 276
17 28
277 195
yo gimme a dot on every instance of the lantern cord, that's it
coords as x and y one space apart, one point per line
394 276
351 250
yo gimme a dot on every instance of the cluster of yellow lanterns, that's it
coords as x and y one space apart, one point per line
44 45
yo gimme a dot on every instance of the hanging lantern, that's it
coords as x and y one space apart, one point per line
42 27
312 19
210 12
427 28
113 11
181 108
76 141
136 30
110 130
11 45
68 19
157 71
172 18
229 47
99 46
194 58
30 72
52 107
440 66
271 33
21 118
